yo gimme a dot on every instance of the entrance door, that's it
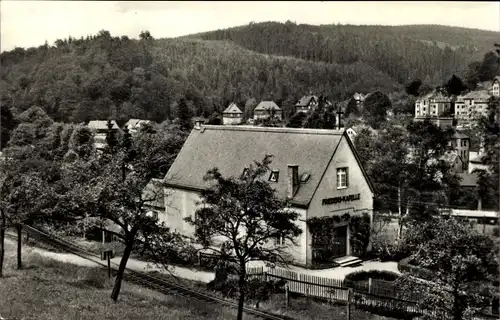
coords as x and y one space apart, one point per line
326 248
339 245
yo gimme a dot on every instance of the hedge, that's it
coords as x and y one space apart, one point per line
374 274
419 272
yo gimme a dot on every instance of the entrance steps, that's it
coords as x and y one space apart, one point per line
348 261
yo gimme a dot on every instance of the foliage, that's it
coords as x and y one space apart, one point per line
321 117
184 115
359 227
297 120
375 108
440 53
257 289
489 127
461 263
455 86
413 87
8 124
245 215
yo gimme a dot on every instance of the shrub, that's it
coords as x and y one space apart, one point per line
406 266
93 277
374 274
389 252
256 289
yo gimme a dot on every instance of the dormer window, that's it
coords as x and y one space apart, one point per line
274 176
304 177
245 173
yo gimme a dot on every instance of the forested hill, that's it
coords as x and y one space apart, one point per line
103 76
107 76
427 52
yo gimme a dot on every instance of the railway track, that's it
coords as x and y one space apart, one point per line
144 279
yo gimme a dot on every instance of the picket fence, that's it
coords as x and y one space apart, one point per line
377 294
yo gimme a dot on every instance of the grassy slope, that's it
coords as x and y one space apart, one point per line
48 289
83 293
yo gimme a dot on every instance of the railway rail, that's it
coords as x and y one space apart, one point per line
145 279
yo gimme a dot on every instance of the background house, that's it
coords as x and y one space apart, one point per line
267 109
133 125
232 115
329 180
100 129
306 104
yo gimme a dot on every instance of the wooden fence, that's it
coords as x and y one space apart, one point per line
334 290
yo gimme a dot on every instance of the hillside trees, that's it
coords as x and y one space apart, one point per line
489 127
375 108
245 214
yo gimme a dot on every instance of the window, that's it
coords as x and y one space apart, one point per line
342 179
273 177
245 172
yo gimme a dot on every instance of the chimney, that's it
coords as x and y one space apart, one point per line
198 123
293 180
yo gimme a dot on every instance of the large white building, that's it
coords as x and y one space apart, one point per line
319 170
471 105
432 105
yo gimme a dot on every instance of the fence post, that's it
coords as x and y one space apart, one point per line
109 264
287 297
369 285
199 258
265 276
349 301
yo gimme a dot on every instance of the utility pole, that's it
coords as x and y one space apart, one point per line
339 113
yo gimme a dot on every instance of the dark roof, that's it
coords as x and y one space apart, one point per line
304 101
497 78
267 105
153 194
233 108
459 135
468 179
232 148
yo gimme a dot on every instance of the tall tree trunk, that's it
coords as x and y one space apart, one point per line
400 222
457 308
19 228
121 269
241 298
2 240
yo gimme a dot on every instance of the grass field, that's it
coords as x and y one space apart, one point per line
49 289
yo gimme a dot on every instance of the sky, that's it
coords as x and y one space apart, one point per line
31 23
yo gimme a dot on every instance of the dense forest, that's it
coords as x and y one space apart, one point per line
104 76
431 52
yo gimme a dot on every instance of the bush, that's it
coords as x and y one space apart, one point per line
389 252
406 266
256 289
93 277
374 274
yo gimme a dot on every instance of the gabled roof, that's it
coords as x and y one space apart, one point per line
359 96
304 101
232 148
496 79
134 123
267 105
102 124
468 179
233 108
